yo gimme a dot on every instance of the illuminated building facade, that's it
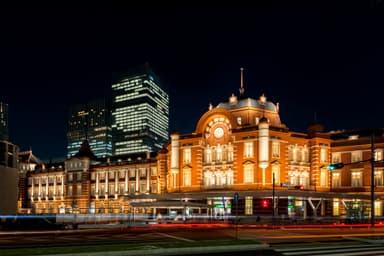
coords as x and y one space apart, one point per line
3 121
84 184
90 121
140 112
238 147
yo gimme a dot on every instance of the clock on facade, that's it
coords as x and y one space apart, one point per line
219 132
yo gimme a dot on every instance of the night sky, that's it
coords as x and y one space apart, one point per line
323 58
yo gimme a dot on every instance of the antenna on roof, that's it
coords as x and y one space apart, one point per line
241 82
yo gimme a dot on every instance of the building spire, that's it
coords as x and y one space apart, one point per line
241 82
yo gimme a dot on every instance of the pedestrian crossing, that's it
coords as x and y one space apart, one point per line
342 250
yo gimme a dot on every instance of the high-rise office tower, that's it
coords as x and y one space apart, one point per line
3 121
90 121
140 112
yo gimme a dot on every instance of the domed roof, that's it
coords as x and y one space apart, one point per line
248 102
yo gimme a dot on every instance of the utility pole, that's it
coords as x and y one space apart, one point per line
372 180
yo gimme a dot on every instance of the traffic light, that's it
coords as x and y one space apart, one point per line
335 166
264 203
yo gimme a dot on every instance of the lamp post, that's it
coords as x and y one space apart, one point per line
372 180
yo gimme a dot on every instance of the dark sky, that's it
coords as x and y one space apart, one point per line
323 58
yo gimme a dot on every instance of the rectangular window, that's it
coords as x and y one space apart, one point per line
276 149
70 177
356 179
248 205
379 178
121 174
154 187
248 174
336 157
153 171
248 149
79 176
143 173
69 192
78 189
276 172
378 208
323 178
336 208
356 156
187 177
93 176
93 189
323 155
336 182
187 155
378 155
132 173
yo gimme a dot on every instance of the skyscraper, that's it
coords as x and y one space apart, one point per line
3 121
140 112
90 121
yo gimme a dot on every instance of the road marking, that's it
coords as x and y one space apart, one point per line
354 250
176 237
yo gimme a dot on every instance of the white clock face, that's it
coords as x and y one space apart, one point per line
219 132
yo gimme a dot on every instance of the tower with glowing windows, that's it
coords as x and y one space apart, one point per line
140 112
90 121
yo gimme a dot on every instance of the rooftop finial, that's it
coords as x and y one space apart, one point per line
241 82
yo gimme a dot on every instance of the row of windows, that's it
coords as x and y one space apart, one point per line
356 179
357 156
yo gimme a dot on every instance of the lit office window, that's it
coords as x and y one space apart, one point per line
378 208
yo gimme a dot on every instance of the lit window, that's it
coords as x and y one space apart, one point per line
336 157
336 182
323 155
379 178
323 178
378 155
276 172
336 207
248 173
187 155
276 149
248 205
356 179
187 177
248 149
238 120
356 156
